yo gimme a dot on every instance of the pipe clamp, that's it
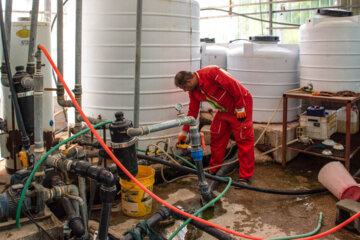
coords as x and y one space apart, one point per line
124 144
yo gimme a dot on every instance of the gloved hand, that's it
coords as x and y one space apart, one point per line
240 114
182 137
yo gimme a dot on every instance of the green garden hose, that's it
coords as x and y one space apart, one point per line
302 235
43 158
203 208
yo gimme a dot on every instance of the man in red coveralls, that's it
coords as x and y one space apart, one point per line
234 113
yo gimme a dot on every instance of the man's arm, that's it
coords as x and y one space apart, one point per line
194 107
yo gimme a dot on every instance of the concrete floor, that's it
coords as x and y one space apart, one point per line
253 213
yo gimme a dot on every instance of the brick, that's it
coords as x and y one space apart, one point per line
345 209
206 118
273 138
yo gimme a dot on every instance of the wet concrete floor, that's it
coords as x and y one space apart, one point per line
254 213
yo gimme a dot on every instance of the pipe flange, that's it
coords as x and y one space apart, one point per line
124 144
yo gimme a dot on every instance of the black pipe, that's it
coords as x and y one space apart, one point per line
75 222
218 234
94 187
107 195
19 118
98 173
223 171
235 184
162 213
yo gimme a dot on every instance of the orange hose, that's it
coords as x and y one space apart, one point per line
123 168
113 157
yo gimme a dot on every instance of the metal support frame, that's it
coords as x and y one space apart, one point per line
305 96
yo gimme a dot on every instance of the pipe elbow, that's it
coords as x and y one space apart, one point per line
133 132
62 102
192 121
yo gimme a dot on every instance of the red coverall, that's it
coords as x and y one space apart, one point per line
226 94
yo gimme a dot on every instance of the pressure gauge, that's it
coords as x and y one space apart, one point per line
178 107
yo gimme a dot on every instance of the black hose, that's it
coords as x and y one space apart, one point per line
25 138
235 184
206 228
223 171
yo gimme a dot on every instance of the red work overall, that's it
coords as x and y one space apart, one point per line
226 94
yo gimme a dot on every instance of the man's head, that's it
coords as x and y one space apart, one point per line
187 81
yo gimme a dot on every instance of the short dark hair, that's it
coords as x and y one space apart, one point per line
181 78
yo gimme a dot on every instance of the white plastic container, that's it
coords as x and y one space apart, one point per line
330 52
354 120
214 54
170 43
20 33
320 128
267 69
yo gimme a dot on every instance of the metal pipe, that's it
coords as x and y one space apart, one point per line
137 63
8 13
78 45
91 119
60 55
270 18
47 10
38 106
144 130
30 68
197 155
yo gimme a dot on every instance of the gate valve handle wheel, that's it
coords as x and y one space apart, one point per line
240 114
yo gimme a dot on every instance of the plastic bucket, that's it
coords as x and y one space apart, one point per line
134 201
339 182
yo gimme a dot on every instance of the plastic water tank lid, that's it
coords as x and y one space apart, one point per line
265 38
334 12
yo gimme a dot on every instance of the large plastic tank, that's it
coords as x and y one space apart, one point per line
214 54
20 33
330 51
170 43
267 69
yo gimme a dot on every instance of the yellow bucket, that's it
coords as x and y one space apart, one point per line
134 201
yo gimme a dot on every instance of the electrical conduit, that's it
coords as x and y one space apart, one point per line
135 180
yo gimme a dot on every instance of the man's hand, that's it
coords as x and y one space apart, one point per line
182 137
240 114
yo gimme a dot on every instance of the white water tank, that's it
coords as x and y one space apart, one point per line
20 33
214 54
267 69
170 43
330 51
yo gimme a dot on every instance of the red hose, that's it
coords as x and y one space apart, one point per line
148 191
